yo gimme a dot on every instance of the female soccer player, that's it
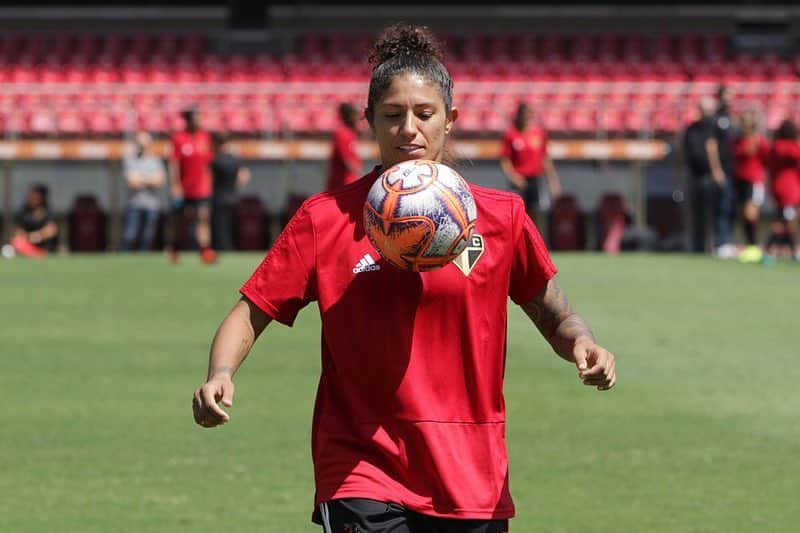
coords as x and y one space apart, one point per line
751 154
524 159
409 424
785 170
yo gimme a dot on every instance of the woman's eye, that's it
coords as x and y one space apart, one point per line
426 114
392 115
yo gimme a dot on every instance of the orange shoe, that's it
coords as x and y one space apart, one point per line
208 256
174 256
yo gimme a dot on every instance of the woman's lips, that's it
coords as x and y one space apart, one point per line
410 148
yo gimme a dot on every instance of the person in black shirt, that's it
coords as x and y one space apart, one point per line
719 147
701 186
35 228
229 175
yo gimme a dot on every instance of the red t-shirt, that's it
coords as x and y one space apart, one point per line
785 169
344 150
750 155
526 150
193 153
410 404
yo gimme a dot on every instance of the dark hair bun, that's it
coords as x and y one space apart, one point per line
405 40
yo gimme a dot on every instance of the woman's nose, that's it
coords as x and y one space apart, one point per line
408 127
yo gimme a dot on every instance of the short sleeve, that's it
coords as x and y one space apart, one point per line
531 266
284 281
763 149
175 150
349 150
507 147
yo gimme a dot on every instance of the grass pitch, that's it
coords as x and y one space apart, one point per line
100 356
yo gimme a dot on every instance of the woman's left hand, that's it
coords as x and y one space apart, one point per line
596 365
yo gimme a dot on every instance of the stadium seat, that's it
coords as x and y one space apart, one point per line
578 79
566 231
87 225
251 224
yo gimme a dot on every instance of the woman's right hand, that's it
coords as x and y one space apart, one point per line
207 412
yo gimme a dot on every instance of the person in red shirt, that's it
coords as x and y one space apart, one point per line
751 154
525 161
345 163
408 432
785 177
191 186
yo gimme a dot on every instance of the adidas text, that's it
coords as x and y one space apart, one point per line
366 264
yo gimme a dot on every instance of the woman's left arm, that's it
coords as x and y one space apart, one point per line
570 336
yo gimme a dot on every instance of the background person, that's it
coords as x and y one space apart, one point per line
525 161
145 175
35 229
719 148
751 155
191 185
389 415
785 185
230 176
701 185
344 164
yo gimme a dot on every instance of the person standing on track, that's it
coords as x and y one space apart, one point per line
409 430
345 164
191 183
144 175
719 148
751 155
785 185
525 162
230 176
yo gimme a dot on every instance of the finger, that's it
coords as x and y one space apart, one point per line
209 396
597 370
610 382
227 394
196 407
608 386
579 355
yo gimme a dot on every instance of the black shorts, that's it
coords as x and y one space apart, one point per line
197 202
747 191
530 193
357 515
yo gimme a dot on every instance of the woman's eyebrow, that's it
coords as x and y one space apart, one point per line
418 104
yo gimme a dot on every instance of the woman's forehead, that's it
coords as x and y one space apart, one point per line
410 88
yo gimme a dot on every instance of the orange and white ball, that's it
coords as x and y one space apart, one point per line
419 215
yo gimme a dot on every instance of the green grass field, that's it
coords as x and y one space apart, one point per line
100 356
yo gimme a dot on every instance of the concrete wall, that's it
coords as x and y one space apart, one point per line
273 182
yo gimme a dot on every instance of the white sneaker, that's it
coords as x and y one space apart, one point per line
726 251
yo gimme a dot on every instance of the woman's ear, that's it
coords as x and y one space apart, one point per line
451 120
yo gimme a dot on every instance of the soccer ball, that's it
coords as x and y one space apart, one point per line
419 215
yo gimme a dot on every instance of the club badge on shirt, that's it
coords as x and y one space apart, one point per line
467 259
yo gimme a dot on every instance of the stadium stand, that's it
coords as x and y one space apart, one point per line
102 85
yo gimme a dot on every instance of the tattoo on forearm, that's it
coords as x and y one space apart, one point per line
555 318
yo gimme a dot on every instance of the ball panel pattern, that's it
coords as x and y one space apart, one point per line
419 215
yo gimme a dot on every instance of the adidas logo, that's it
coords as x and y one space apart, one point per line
366 264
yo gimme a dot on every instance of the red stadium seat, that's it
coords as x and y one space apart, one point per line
87 225
566 231
69 123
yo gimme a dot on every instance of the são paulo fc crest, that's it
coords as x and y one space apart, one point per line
467 259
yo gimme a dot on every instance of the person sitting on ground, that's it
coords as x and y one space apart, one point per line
35 230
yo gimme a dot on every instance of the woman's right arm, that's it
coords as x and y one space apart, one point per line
231 344
517 179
